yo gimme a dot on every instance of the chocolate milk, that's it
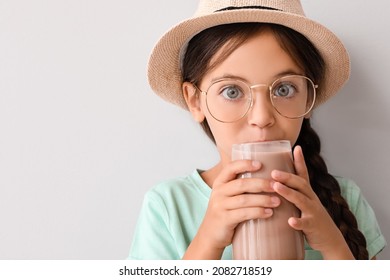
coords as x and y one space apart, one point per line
271 238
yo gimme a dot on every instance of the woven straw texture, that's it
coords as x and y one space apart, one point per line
164 64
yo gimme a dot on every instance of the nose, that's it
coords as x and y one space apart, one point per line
262 113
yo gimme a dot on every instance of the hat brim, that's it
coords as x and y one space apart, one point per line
164 73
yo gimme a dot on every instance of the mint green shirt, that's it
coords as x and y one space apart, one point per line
173 211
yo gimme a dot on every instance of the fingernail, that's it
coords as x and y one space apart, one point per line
277 174
278 186
256 163
275 200
268 211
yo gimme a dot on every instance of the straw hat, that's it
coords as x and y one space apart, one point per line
164 72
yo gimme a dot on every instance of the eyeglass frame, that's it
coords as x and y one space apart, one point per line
270 87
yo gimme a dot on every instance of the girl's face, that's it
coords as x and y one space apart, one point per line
258 61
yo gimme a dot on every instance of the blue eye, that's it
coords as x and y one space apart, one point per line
232 92
284 90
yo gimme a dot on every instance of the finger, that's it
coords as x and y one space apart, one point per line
234 168
252 200
299 223
247 185
245 214
296 223
297 198
300 164
293 181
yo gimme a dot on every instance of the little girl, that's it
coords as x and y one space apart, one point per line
252 71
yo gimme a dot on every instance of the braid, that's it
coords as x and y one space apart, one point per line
328 190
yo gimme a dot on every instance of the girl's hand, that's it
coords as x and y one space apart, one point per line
232 201
320 231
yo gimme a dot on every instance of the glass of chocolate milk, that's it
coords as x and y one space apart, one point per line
271 238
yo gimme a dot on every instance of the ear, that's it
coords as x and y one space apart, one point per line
192 98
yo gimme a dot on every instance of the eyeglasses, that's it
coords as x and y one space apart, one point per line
229 100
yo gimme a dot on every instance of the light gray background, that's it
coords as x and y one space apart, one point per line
82 137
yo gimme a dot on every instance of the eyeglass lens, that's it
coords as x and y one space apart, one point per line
229 100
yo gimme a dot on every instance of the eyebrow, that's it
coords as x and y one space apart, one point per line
277 76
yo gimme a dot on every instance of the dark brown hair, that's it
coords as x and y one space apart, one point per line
198 61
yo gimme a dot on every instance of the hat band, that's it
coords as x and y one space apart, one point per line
231 8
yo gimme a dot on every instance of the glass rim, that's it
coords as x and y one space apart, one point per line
275 145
